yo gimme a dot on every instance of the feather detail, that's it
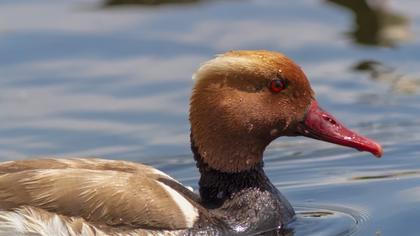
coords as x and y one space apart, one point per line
32 221
113 193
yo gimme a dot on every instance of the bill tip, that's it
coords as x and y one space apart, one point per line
379 151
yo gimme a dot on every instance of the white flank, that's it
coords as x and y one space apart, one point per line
17 223
11 223
188 210
30 223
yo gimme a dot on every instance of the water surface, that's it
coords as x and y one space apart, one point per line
112 79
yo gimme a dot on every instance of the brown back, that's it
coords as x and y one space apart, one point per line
100 191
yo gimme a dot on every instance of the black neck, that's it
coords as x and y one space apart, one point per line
215 186
242 198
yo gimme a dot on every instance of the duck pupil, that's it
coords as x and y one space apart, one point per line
277 85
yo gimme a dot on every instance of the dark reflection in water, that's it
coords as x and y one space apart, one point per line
316 214
375 24
388 176
279 232
148 2
379 72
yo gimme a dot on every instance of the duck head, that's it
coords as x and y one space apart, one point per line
243 100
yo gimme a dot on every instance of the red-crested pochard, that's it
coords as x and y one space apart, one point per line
241 101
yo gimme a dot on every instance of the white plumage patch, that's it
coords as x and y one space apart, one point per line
188 210
223 64
158 172
22 223
33 222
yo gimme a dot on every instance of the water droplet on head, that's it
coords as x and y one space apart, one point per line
250 127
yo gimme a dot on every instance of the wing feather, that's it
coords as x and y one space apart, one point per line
110 192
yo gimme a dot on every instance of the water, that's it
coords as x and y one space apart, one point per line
92 78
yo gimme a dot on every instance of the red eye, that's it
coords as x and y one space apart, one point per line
277 85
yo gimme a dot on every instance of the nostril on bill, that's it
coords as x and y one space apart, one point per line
329 119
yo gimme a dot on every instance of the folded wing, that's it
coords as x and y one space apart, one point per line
102 192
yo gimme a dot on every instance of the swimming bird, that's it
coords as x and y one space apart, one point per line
241 101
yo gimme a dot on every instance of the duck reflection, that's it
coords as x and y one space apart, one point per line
111 3
380 72
375 23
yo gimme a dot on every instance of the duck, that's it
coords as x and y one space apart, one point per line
241 101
